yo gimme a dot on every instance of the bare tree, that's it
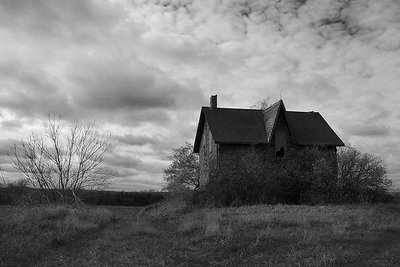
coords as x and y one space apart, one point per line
63 159
262 104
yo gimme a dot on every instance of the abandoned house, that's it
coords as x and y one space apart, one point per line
223 133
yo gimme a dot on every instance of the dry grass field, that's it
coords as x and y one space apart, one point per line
173 234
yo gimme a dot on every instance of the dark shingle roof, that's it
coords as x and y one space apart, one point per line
228 125
310 128
253 126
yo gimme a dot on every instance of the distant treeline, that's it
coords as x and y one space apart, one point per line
121 198
14 195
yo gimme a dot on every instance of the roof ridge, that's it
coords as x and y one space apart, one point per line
248 109
296 111
274 104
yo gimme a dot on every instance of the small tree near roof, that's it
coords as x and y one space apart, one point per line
184 171
262 104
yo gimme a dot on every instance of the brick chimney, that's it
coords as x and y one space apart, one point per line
213 102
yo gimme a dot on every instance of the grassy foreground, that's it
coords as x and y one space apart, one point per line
173 234
28 234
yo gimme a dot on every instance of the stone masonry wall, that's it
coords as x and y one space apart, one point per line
208 154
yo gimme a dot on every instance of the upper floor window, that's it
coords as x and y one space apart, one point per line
280 143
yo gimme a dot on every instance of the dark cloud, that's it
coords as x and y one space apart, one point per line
160 145
6 145
136 140
27 90
114 86
132 162
119 173
378 113
94 80
319 88
125 161
367 130
8 168
58 19
127 95
11 124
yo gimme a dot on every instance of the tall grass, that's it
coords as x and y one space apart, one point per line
26 233
301 235
334 220
167 209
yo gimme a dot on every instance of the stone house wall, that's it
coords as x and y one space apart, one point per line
228 154
208 154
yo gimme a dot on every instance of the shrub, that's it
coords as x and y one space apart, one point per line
362 177
247 181
15 193
307 176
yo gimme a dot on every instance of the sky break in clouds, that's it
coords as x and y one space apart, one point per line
143 69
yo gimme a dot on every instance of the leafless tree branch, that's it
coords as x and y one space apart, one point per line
64 160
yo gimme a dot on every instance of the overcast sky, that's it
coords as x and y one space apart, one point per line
143 69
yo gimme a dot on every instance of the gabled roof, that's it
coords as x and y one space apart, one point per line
233 126
271 115
255 126
310 128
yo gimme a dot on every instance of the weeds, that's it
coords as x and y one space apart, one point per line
142 228
302 235
27 233
167 209
262 235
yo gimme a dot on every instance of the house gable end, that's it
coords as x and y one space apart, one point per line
271 117
199 132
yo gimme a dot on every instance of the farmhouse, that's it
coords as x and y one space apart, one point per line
275 133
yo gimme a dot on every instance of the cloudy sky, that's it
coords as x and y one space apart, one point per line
143 69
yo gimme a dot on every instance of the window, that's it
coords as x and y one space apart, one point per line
280 143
